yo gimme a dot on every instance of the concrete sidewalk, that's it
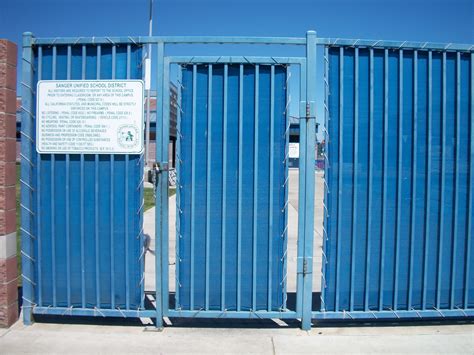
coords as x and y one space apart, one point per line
232 338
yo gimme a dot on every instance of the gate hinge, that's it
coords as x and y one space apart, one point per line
309 109
306 270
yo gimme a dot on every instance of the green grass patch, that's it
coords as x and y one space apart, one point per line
150 197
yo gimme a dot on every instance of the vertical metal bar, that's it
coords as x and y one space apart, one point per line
68 65
471 179
53 232
239 207
270 202
285 187
193 184
255 192
68 240
53 207
413 177
327 180
369 178
164 186
441 202
178 189
159 274
68 236
309 177
208 179
224 189
384 173
428 180
339 177
38 199
112 208
301 193
354 176
83 270
456 176
127 187
96 204
53 63
399 177
84 59
27 246
112 239
83 249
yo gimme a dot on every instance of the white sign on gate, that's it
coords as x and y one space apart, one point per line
89 116
294 150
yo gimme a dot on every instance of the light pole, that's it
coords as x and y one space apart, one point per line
148 87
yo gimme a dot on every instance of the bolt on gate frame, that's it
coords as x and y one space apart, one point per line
33 265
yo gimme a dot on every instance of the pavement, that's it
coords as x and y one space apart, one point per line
210 336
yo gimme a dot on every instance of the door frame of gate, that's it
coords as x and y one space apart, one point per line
307 112
162 260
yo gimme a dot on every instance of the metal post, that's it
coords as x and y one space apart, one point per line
148 68
159 208
308 209
26 178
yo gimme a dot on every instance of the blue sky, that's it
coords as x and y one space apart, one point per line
423 20
415 20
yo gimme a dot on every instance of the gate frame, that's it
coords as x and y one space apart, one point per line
307 135
164 279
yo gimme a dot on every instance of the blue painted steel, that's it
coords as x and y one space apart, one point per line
256 40
229 91
161 264
301 194
163 182
88 253
414 192
308 124
398 224
256 119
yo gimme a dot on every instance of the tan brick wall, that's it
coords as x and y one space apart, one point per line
8 260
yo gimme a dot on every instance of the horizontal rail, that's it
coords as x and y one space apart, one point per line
252 40
395 44
234 59
95 312
150 313
171 40
394 315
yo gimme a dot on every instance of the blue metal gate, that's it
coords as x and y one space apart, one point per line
400 179
399 171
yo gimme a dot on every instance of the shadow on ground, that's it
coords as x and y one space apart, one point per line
241 323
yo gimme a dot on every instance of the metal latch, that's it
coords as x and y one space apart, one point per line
157 169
